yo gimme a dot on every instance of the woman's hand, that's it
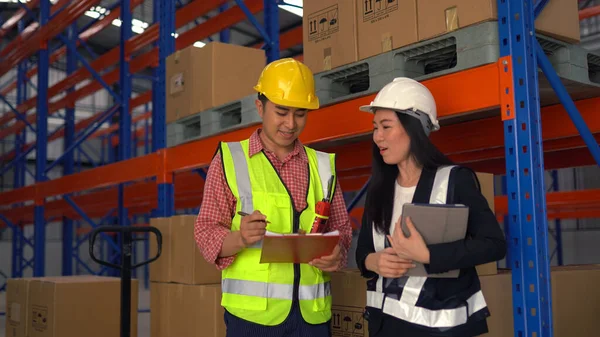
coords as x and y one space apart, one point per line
413 247
388 264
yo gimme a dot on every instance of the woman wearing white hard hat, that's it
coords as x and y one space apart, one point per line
408 168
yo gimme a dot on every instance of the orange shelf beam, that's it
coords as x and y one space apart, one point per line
335 122
589 12
98 203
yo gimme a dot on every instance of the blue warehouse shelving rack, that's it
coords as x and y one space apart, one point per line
164 180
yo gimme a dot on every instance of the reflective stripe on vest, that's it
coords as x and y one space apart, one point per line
243 177
406 307
274 290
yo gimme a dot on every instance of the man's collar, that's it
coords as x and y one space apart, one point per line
256 145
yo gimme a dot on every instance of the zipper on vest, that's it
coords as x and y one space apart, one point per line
296 227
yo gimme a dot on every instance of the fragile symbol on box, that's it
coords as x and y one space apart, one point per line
347 323
323 23
39 317
374 9
177 83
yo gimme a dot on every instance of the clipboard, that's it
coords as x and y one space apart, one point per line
297 248
437 223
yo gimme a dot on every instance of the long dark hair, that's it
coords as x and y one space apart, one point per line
379 203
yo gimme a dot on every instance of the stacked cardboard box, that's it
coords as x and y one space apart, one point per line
340 32
185 290
199 79
559 19
575 301
69 306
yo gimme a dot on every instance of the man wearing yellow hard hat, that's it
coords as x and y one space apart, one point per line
271 181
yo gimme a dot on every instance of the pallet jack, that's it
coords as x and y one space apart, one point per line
126 265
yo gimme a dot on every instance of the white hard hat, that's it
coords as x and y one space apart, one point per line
407 96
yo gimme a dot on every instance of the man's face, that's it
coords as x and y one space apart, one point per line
282 125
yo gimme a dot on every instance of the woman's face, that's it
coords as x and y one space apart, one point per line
390 137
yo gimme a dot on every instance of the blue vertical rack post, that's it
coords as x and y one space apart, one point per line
557 225
18 241
528 242
271 15
69 160
225 34
527 217
125 148
164 14
41 152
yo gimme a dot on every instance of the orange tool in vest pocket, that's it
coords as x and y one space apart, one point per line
322 209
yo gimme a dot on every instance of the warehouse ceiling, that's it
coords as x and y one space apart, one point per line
243 33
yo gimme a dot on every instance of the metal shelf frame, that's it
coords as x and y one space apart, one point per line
128 187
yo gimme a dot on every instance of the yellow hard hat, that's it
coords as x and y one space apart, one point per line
289 83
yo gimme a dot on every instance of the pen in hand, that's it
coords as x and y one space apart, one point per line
245 214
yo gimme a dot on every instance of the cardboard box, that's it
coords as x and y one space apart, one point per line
160 270
385 25
159 309
17 296
559 19
180 260
348 292
486 181
575 301
202 78
186 310
329 36
75 306
348 322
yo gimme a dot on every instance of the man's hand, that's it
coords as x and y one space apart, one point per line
329 263
253 228
388 264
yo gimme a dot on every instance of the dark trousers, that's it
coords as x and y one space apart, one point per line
293 326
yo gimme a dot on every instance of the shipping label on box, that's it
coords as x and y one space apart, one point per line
348 322
17 294
177 83
39 318
322 24
14 312
385 25
329 34
374 11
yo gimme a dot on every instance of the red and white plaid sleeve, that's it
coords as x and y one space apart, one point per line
214 220
340 220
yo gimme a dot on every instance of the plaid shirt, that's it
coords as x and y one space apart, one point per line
218 205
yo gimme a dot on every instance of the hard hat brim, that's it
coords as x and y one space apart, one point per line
371 108
312 105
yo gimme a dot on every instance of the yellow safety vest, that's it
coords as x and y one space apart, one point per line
262 292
